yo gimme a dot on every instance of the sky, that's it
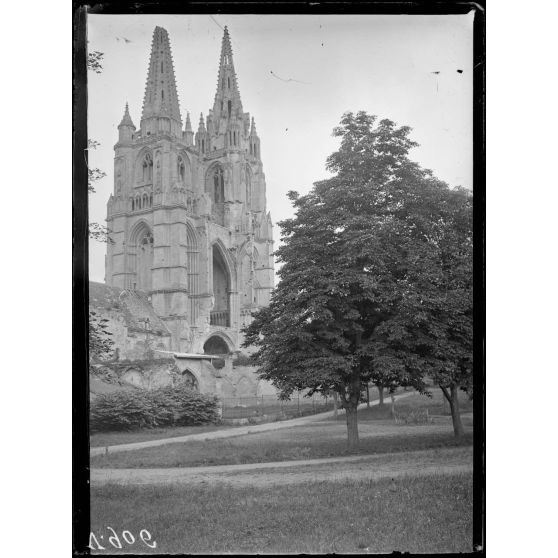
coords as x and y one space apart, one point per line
297 75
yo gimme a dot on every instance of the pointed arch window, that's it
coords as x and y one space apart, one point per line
229 82
133 205
138 202
218 185
147 168
229 106
145 200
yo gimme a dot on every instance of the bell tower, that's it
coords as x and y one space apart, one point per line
188 218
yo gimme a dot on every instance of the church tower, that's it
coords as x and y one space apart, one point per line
188 214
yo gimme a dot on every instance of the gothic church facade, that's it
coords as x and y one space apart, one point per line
192 239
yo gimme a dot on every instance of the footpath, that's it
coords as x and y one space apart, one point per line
448 461
228 433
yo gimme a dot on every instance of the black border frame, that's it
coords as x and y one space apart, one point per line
80 268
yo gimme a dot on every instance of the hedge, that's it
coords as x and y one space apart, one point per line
165 406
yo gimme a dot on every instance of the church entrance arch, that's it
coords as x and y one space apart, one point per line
216 345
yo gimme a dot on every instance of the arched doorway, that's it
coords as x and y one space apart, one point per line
216 345
220 315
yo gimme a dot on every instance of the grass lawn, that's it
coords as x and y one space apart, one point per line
436 405
318 439
115 438
417 514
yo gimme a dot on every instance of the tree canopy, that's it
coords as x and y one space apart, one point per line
376 276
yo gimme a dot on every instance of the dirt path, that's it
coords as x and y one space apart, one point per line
228 433
371 467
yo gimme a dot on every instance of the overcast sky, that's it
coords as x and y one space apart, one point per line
381 64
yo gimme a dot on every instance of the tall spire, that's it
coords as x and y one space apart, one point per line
161 98
227 98
188 127
126 119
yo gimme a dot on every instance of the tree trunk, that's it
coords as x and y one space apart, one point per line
452 398
381 392
335 404
352 425
368 396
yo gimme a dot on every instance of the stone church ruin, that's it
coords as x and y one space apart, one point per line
191 256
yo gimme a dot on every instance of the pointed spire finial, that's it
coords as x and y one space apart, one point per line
161 97
188 127
227 98
126 119
253 131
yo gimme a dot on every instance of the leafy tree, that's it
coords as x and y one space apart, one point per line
435 319
100 338
94 59
96 230
352 260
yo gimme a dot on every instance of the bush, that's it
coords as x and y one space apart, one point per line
165 406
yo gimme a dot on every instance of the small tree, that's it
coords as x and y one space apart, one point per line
96 230
352 257
100 338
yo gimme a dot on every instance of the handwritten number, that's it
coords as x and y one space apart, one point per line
148 537
114 537
93 539
125 535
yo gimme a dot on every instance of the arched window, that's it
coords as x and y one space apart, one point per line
218 185
181 169
161 65
229 105
150 200
147 168
162 95
203 146
133 204
145 201
138 202
229 82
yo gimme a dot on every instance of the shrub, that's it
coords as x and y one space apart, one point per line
165 406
